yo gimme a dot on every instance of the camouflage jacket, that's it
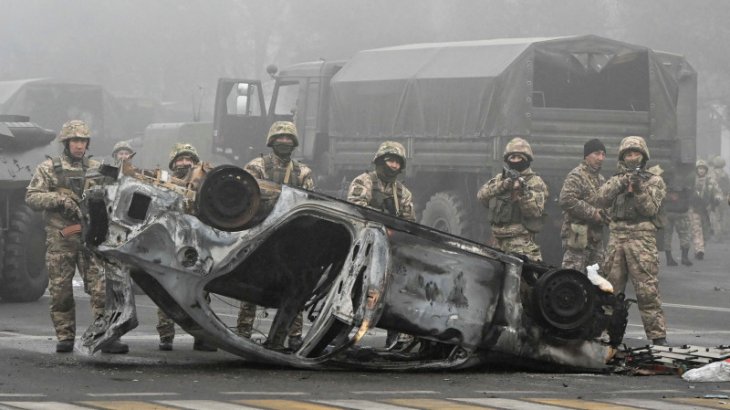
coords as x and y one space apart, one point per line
47 190
370 191
578 199
722 179
531 201
706 194
272 168
645 204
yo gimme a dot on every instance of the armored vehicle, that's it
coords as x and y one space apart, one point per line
23 145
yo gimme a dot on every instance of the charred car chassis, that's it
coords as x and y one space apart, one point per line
350 269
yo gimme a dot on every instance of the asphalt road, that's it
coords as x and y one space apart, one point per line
32 375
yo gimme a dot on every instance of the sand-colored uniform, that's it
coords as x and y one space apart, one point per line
367 189
56 189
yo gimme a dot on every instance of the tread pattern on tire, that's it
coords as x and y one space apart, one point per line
448 206
20 285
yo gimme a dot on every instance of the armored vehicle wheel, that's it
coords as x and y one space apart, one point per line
446 212
565 299
25 277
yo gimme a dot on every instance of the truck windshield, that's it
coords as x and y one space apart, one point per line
286 99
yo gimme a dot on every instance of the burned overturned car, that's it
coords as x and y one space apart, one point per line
349 269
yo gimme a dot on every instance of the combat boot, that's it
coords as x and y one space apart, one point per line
65 346
700 255
685 257
660 341
165 344
670 259
295 342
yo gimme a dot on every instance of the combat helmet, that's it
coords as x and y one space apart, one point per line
633 143
718 162
392 148
183 149
121 145
518 145
702 163
282 128
74 129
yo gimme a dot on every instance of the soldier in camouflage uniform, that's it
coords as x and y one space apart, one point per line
676 208
706 194
634 196
183 157
721 219
516 201
583 222
278 167
122 151
381 190
56 189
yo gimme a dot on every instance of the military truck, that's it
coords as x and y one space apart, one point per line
23 145
454 106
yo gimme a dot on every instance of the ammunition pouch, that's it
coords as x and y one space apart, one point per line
624 208
578 236
502 211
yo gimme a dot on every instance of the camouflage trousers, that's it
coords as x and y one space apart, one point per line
63 256
521 243
680 223
697 232
633 255
247 317
720 218
578 259
166 326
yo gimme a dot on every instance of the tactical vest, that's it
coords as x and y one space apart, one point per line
384 201
288 175
504 211
72 180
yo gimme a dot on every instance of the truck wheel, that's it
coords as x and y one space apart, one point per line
446 212
25 277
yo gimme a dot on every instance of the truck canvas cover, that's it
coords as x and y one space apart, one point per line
490 88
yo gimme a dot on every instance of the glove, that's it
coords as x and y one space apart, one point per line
70 209
635 182
506 184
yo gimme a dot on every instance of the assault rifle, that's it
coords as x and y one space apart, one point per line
514 176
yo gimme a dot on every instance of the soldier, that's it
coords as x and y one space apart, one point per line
56 189
278 167
583 222
676 208
122 151
634 196
183 157
516 201
720 215
381 190
706 194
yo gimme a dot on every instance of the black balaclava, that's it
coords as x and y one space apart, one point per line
384 172
283 150
519 166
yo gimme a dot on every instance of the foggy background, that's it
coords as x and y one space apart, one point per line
173 51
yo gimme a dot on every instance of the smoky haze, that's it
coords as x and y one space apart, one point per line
174 51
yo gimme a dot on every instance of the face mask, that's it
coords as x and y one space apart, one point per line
386 173
283 150
632 164
519 166
181 172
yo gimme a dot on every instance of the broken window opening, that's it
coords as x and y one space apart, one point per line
139 206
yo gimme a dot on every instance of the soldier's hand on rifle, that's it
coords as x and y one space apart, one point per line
507 184
635 183
70 209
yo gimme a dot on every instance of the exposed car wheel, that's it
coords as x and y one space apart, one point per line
446 212
25 277
565 300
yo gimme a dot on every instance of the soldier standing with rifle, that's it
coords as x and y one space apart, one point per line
706 194
634 197
381 190
676 208
516 202
278 167
583 222
56 189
